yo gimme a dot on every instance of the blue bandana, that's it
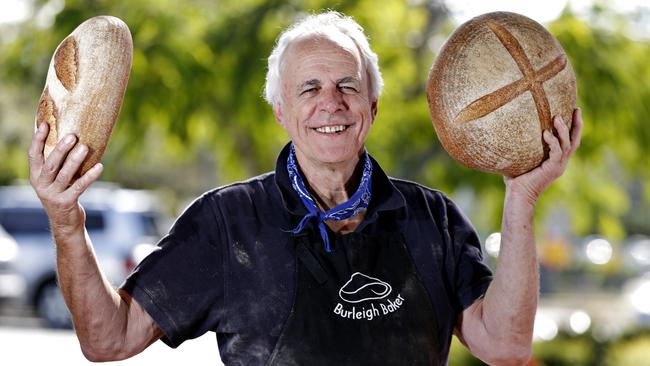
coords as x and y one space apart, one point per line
358 202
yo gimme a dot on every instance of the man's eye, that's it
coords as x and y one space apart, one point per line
306 91
348 89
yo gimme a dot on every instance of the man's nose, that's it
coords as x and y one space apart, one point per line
332 100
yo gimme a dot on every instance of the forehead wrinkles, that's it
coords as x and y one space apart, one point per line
328 62
325 53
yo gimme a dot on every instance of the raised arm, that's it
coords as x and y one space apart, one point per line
498 327
109 325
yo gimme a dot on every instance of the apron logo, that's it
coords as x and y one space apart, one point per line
362 288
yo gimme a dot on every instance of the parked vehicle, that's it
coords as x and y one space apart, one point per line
12 286
123 225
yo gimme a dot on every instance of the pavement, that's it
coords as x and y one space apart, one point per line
23 344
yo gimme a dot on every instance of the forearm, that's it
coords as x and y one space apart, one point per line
98 313
510 303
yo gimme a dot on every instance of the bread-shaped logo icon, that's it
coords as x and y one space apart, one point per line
361 287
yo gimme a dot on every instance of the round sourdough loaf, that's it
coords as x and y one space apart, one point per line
85 85
495 86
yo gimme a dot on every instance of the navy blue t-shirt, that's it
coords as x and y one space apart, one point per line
228 264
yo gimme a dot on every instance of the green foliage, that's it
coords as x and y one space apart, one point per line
562 351
565 351
460 356
631 350
193 115
613 86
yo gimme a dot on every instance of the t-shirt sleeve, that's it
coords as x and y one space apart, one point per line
180 284
472 276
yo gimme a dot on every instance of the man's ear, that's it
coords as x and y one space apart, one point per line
373 109
277 112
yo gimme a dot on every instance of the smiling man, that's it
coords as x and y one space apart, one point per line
326 106
326 260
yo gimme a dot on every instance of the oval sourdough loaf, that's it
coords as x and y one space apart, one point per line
495 86
85 85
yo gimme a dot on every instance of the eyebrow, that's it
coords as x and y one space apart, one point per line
311 82
347 79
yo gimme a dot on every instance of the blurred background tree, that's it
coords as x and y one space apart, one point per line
193 116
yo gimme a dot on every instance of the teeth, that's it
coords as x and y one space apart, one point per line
331 129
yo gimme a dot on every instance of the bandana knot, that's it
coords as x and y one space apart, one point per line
357 203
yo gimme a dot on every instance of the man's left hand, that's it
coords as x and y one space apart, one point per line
562 147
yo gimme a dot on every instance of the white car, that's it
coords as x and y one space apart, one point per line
123 225
12 285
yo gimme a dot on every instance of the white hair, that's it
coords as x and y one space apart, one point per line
326 25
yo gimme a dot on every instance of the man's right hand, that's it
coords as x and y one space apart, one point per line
52 179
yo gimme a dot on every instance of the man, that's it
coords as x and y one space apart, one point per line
326 261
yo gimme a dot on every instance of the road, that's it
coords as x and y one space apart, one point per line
23 342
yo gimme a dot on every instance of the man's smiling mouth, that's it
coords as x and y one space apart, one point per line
332 129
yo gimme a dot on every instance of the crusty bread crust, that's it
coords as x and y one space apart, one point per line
494 87
85 85
66 63
48 113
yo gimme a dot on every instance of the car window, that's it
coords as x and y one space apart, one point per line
33 220
24 220
94 220
149 224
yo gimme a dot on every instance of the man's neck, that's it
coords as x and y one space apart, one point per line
331 184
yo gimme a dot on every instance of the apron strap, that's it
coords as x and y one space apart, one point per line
310 262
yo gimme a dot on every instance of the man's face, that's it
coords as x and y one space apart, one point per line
326 109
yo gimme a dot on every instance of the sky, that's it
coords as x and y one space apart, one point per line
12 11
543 11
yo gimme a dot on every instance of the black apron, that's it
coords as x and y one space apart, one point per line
362 304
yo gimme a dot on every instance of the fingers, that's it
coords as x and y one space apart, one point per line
53 163
563 133
81 184
561 148
35 153
569 140
576 129
71 166
53 178
555 152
